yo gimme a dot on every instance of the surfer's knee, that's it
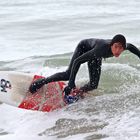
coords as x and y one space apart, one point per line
89 87
93 85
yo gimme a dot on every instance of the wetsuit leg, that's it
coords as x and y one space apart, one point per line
94 67
61 76
64 76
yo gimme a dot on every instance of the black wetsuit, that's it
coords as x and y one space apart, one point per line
91 51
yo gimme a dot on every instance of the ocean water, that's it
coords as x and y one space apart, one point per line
39 36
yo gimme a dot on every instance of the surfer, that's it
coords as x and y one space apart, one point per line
91 51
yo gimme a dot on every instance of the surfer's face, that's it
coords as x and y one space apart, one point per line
117 49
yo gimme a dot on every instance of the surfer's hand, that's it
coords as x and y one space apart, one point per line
67 90
37 85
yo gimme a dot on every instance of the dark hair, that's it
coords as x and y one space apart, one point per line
119 38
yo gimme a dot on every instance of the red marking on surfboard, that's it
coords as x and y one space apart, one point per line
51 99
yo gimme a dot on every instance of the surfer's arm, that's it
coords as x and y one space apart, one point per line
133 49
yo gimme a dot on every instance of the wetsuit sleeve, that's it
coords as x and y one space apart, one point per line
133 49
80 60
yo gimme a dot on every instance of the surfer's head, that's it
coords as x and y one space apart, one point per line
118 44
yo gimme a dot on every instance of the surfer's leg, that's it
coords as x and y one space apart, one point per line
94 68
61 76
64 76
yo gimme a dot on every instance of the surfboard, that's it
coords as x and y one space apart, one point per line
14 91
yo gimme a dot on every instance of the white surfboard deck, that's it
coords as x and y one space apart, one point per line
14 86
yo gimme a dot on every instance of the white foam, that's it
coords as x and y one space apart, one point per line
26 124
